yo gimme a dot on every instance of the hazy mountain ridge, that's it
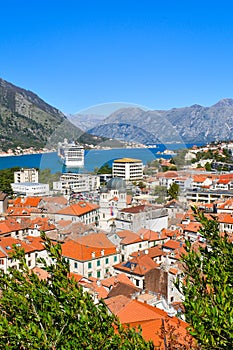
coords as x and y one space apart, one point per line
188 124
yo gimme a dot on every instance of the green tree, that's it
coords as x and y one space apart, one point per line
208 166
104 169
208 287
45 176
56 313
6 178
173 191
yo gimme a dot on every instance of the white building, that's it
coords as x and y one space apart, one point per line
30 189
128 168
26 175
112 199
91 256
85 212
142 216
71 182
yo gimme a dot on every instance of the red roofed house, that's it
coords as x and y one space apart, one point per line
40 224
136 269
225 222
82 211
33 247
191 231
151 320
91 256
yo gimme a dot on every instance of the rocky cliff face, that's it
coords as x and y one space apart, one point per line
26 120
189 124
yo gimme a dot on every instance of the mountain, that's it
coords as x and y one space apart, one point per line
192 124
86 121
26 120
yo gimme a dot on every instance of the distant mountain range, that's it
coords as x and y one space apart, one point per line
192 124
26 120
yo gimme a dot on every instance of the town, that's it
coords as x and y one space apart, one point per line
122 240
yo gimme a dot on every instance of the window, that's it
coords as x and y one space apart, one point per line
89 274
106 261
115 258
137 283
98 262
75 265
89 265
98 274
106 271
140 245
29 263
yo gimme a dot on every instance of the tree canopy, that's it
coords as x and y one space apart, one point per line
173 191
56 313
208 287
6 178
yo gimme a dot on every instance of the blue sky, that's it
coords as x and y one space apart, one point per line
160 54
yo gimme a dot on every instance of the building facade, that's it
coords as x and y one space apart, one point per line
128 169
26 175
71 182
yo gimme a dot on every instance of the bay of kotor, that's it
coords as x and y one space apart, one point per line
93 158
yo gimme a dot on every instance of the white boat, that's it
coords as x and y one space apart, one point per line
71 154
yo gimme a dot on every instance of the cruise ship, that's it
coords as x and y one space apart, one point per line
71 154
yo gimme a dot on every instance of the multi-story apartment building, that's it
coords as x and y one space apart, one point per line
26 175
128 168
70 182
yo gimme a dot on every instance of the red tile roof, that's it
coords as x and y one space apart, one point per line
83 248
78 209
128 237
171 244
192 227
225 218
151 235
139 265
121 277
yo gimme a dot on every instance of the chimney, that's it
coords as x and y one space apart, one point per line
102 252
98 282
132 266
93 255
146 251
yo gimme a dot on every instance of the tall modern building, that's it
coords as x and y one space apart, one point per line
128 169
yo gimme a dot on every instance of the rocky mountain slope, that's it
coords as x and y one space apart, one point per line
26 120
188 125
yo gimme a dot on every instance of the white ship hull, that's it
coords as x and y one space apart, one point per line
71 154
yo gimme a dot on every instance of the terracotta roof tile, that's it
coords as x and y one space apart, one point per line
78 209
128 237
115 304
82 248
172 244
151 235
139 265
121 277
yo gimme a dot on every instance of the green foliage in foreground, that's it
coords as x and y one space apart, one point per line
56 314
208 288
